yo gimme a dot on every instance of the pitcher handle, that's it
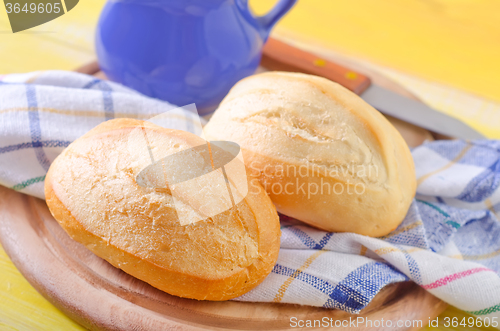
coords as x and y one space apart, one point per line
266 22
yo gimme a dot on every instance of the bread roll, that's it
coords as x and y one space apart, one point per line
91 190
324 155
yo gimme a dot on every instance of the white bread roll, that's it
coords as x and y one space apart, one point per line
91 191
323 154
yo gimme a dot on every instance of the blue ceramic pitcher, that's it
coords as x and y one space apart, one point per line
183 51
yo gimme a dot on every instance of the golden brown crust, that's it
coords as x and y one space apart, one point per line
320 141
143 250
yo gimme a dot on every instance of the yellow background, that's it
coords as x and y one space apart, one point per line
456 42
445 51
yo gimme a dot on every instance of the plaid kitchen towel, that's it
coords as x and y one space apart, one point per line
449 242
43 112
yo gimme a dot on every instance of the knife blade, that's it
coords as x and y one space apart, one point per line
417 113
278 55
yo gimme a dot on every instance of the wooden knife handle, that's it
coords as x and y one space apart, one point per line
280 56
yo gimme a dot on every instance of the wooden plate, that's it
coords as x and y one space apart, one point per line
101 297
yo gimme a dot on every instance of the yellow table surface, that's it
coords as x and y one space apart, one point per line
445 51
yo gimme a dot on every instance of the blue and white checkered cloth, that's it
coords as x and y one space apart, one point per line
449 242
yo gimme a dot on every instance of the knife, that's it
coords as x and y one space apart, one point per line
280 56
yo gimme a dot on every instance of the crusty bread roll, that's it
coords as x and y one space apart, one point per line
92 192
324 155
